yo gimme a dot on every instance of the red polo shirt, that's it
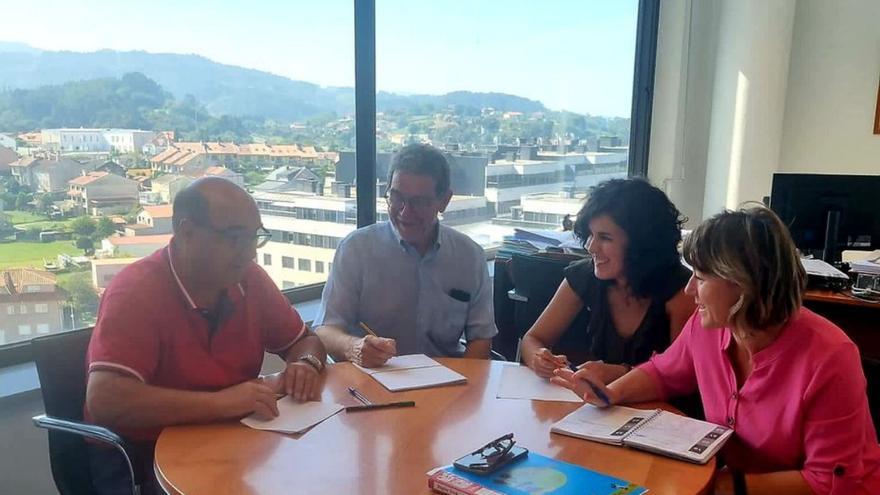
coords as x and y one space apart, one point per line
149 328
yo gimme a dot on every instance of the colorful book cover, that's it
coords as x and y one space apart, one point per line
539 475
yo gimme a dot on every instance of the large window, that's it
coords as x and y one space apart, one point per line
530 102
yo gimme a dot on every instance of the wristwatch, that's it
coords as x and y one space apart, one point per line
312 360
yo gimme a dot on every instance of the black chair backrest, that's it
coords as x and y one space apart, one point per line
61 361
537 277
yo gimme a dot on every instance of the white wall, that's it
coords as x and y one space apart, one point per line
832 89
745 88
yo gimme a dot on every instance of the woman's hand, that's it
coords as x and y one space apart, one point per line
587 384
544 362
605 372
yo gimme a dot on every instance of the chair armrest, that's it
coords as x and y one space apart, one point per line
493 354
78 428
94 432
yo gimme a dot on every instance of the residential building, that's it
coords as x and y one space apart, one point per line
46 174
7 156
31 304
223 173
181 158
103 193
103 271
290 178
31 139
106 166
151 220
137 247
169 185
160 142
8 141
91 140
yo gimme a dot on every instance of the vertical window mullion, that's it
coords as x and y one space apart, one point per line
365 109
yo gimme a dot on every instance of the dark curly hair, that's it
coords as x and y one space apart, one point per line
650 220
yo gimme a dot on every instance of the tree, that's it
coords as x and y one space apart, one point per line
43 202
81 297
83 226
86 244
105 228
22 200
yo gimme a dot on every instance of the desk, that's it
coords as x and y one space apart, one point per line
859 319
389 451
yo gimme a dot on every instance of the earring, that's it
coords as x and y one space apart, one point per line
736 306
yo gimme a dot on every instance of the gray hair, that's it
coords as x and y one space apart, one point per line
422 159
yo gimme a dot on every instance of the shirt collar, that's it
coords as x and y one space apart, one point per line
189 300
438 236
786 338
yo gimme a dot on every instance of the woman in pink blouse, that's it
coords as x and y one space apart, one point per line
788 381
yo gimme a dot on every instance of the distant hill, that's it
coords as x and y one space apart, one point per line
222 89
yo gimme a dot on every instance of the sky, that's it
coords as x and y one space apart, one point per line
572 55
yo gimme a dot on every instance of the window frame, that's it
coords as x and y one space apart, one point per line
365 131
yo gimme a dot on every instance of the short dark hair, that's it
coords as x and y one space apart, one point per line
191 204
752 248
422 159
650 220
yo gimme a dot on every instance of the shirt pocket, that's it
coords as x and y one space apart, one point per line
450 324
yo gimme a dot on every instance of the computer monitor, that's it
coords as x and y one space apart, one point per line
829 213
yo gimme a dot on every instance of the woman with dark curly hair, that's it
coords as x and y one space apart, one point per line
632 284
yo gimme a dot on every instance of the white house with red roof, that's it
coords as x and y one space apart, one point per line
103 193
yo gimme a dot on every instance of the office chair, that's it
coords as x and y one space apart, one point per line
60 360
535 279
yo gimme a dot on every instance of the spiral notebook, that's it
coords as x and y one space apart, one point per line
654 430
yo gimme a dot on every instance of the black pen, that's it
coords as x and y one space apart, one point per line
367 407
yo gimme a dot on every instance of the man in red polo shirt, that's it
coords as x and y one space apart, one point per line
181 333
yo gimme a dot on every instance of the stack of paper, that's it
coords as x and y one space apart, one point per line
413 371
867 267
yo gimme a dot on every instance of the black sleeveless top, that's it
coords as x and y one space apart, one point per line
652 334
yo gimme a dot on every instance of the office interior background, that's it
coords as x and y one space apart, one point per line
741 89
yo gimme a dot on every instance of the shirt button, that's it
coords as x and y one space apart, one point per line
733 396
730 421
839 470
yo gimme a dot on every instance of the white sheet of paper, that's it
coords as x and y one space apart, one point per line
413 378
293 416
520 382
407 361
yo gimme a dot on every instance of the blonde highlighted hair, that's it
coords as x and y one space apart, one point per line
752 248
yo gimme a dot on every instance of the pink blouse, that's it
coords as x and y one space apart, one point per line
803 407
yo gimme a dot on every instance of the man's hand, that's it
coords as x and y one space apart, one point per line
246 398
371 351
302 381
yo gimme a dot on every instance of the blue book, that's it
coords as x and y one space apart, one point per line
535 474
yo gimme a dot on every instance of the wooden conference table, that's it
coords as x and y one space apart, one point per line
389 451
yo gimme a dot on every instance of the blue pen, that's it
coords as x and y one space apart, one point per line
596 390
